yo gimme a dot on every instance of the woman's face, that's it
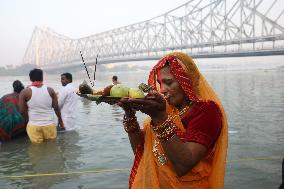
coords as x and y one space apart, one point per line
170 87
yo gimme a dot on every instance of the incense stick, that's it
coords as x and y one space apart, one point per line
87 70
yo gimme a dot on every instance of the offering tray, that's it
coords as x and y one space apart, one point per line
99 98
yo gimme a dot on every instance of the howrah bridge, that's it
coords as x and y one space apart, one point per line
201 28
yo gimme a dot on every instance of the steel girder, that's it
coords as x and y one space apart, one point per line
198 26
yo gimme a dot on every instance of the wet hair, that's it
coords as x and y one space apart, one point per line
68 76
114 78
18 86
36 75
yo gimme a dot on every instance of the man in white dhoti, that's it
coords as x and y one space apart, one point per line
67 101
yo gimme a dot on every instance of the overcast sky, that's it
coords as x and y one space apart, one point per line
73 18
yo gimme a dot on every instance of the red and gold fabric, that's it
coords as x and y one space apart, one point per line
205 123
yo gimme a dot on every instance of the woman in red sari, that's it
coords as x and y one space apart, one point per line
12 123
184 142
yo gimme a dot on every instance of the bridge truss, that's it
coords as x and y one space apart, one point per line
203 28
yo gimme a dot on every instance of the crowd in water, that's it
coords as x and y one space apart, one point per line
30 111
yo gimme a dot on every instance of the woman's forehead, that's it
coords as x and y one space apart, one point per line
165 72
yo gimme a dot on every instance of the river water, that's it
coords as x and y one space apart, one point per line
98 154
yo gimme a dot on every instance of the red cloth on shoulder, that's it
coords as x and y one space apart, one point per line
203 124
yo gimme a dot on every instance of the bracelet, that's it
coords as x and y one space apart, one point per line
166 130
157 128
130 124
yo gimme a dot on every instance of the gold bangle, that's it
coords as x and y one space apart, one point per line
166 130
162 125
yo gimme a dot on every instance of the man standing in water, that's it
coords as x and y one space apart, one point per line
114 80
36 103
67 101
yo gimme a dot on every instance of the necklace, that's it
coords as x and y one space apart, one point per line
185 109
162 159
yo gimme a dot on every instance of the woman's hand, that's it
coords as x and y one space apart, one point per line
154 105
124 103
